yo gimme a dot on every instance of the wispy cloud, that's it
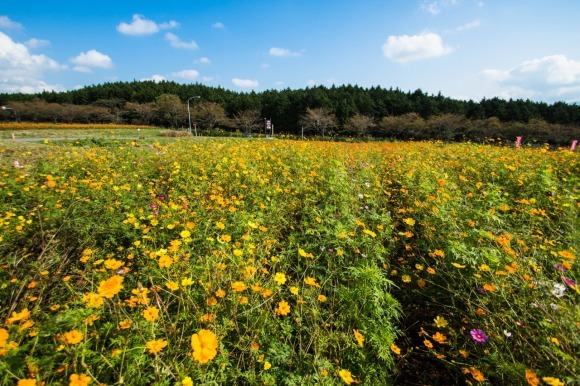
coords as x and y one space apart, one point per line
203 60
245 83
6 23
434 7
36 43
86 61
141 26
405 48
472 24
282 52
176 42
218 25
552 77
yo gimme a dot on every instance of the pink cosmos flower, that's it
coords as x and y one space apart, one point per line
479 336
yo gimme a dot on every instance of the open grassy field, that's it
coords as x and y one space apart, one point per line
231 261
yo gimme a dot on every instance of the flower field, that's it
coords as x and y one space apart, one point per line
285 262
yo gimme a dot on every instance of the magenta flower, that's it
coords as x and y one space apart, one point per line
479 336
570 282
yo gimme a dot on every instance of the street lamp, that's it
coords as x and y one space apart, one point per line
4 108
189 114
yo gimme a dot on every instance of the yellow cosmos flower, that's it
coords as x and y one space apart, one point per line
204 345
280 278
73 337
93 300
406 278
346 376
283 308
154 346
79 380
311 281
551 381
185 234
370 233
239 286
113 264
440 322
359 337
294 290
409 221
186 282
151 314
220 293
321 298
186 381
110 287
165 261
267 365
172 285
125 324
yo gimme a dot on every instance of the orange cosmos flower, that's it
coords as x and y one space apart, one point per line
73 337
110 287
154 346
283 308
79 380
359 337
204 345
151 314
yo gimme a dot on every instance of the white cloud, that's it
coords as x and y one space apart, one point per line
245 83
473 24
265 65
549 77
6 23
186 74
283 52
21 71
140 26
311 82
218 25
175 42
405 48
279 83
36 43
169 24
85 61
155 78
203 60
206 79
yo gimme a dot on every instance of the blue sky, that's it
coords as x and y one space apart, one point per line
468 49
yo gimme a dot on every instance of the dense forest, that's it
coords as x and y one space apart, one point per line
345 110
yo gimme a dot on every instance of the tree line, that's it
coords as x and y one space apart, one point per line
326 111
